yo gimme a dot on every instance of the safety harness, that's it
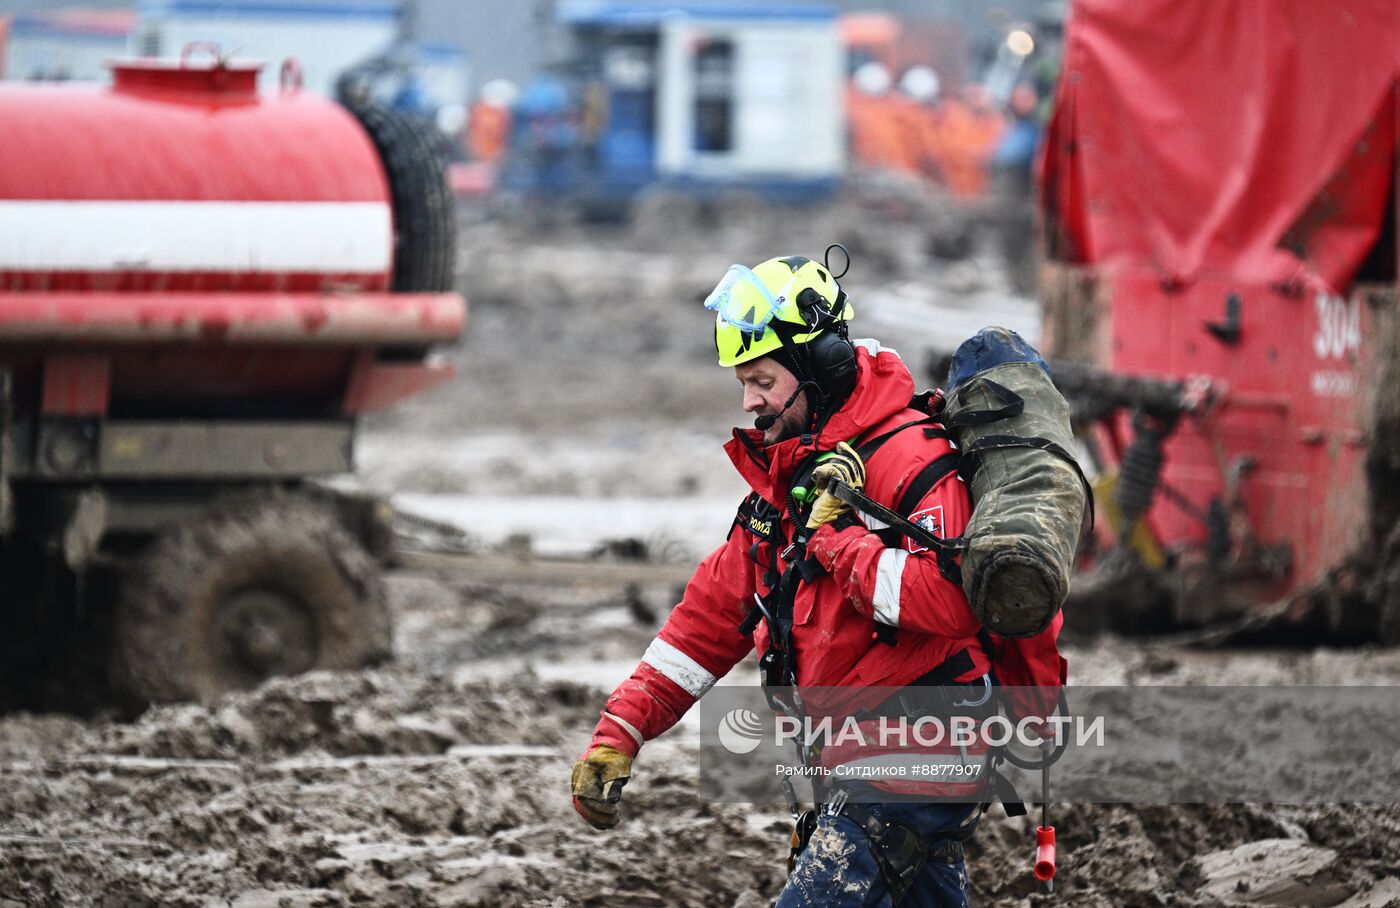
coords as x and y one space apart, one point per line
788 565
898 849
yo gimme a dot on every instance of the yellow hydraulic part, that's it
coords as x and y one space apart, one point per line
1141 540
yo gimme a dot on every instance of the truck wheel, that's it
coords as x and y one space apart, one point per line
250 591
425 215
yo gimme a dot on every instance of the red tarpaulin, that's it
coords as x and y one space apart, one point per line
1249 138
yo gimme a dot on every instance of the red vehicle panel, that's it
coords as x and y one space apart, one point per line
1222 173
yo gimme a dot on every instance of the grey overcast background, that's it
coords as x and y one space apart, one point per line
509 39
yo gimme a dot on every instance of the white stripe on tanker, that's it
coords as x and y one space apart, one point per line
242 237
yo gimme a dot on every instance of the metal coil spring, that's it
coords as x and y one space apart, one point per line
1140 470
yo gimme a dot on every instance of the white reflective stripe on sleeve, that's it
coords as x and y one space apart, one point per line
888 574
874 524
626 726
680 668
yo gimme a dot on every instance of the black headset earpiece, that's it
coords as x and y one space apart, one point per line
814 307
831 354
833 359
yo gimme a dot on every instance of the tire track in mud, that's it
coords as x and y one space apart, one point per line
442 780
383 788
403 786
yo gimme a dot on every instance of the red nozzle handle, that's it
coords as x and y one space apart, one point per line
1044 853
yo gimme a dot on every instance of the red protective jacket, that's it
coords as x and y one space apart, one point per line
834 616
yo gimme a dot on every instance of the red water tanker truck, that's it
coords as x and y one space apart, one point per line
201 290
1219 204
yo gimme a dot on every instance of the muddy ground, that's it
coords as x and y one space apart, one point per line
588 396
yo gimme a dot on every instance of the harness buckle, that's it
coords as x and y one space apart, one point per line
790 794
763 609
837 802
986 680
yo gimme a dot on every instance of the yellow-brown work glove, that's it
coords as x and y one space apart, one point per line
843 465
597 784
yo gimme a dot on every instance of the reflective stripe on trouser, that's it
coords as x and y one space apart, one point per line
839 869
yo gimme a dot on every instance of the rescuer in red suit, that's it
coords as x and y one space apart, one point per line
877 614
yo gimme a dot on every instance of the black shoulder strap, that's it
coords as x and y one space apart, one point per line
1012 405
972 460
746 510
867 448
932 473
918 487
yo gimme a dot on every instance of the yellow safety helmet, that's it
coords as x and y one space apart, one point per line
782 302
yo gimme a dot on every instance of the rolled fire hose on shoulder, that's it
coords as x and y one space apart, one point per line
1029 495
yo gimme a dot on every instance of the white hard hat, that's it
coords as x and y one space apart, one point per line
451 118
871 78
919 83
499 92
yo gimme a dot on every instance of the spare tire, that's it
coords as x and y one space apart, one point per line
253 589
425 216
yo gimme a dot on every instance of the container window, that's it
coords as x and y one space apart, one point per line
714 96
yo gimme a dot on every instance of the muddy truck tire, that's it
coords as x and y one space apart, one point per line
251 590
425 214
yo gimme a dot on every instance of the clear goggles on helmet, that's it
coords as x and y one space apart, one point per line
742 300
